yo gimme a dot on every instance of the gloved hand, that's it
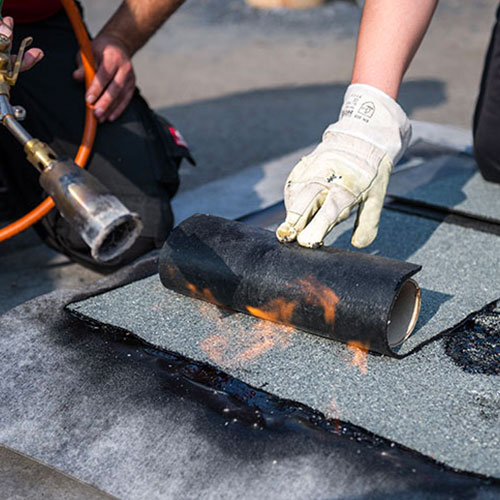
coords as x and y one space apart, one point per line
351 166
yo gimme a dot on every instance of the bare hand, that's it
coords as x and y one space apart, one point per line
31 56
113 86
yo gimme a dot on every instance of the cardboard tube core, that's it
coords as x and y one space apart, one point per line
404 313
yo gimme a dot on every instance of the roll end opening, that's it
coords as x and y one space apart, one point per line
404 313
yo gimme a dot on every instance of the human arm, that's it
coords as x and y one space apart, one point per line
390 33
129 28
352 164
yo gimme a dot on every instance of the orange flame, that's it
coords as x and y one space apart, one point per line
215 348
333 411
205 293
322 296
246 343
265 336
360 354
278 310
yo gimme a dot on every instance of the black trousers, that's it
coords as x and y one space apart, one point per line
486 125
136 157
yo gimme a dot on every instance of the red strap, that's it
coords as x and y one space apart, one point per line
29 11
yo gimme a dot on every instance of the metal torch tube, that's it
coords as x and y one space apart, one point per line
17 130
10 122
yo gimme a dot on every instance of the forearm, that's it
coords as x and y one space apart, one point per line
390 33
136 21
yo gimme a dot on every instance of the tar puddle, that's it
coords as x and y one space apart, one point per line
475 345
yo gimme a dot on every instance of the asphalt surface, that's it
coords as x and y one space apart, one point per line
400 400
23 478
464 192
247 86
142 423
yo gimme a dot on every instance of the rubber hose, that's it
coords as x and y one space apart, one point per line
89 130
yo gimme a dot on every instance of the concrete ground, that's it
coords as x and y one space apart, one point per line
246 86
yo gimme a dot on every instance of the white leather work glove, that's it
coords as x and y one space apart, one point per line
351 166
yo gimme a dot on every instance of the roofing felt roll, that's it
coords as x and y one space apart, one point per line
352 297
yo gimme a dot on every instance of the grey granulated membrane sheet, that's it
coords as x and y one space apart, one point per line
144 424
452 183
425 401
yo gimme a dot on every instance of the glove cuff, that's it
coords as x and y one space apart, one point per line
373 116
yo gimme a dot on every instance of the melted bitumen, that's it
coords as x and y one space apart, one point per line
475 345
245 408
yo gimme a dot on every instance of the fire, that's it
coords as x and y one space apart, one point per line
244 345
248 343
333 411
360 354
265 336
241 344
205 293
278 310
171 271
322 296
215 348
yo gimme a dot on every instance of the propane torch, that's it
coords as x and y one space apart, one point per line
103 222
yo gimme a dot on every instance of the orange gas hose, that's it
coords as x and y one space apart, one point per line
89 130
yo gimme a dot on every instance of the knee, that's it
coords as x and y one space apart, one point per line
487 155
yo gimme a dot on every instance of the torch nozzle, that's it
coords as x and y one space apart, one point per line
103 222
101 219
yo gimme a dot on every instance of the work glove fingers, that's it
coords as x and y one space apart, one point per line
302 201
370 208
336 208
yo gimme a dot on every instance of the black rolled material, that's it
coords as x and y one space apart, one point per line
348 296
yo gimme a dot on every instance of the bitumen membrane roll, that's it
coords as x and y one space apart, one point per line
366 300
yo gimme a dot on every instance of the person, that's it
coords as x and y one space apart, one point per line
352 164
136 153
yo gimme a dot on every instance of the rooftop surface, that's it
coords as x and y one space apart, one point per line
89 400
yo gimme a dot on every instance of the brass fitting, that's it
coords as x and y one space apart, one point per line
9 73
39 154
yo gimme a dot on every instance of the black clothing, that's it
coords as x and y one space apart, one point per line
136 157
486 125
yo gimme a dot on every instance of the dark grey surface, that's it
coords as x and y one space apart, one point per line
425 402
143 424
452 183
22 478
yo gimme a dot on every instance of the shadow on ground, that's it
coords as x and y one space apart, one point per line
235 131
226 135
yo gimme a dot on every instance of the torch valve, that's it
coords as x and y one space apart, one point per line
9 72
